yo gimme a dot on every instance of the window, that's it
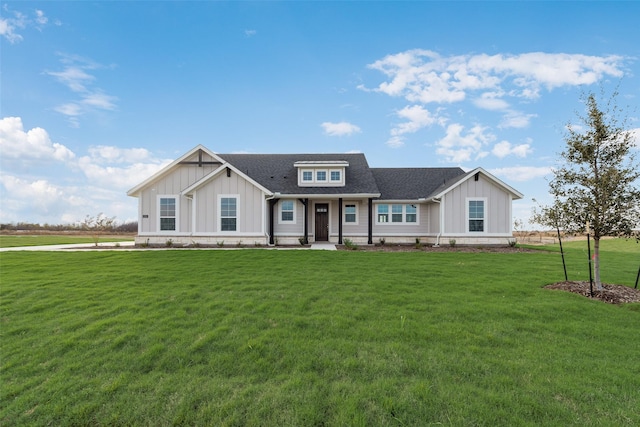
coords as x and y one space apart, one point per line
396 213
400 214
307 176
411 213
383 213
336 176
321 175
287 211
167 214
228 214
350 214
476 216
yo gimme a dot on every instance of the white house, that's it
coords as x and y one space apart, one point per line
208 198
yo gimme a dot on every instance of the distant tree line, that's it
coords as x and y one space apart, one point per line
126 227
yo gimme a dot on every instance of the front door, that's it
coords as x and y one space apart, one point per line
322 222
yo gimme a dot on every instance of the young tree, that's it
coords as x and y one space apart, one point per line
595 187
96 225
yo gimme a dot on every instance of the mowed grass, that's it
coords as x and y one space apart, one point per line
303 338
11 240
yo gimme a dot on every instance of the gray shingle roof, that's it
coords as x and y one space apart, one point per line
277 172
412 183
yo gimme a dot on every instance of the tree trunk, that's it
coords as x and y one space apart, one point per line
596 262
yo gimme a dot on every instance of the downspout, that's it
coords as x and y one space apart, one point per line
441 221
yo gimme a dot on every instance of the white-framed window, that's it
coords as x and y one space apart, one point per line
228 207
350 213
336 175
307 176
382 215
476 215
321 176
287 212
167 213
411 213
396 214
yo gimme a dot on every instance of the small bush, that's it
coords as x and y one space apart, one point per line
348 243
382 241
168 243
452 243
512 242
220 243
301 240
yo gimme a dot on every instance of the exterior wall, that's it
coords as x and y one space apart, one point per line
497 214
249 209
171 185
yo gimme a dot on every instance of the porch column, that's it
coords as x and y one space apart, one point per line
370 241
272 203
340 221
305 203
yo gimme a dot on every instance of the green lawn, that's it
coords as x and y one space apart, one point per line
10 241
302 338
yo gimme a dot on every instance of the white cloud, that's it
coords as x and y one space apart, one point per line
340 129
491 101
77 78
418 117
15 21
521 173
516 119
35 143
504 149
395 142
425 76
458 146
250 33
109 154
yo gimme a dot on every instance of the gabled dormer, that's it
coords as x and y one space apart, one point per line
326 173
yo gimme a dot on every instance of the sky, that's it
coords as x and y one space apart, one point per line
96 96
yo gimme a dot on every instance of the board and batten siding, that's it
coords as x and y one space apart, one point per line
249 208
170 184
497 211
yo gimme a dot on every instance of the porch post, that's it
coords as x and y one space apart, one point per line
305 203
272 203
370 241
340 221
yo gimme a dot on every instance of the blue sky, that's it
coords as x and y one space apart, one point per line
97 96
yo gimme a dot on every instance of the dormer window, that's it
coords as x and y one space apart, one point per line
330 173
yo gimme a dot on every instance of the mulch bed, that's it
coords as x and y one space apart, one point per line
612 294
442 248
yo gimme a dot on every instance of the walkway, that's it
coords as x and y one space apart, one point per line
130 246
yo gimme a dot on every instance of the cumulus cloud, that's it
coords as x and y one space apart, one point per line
459 146
340 129
16 143
504 148
43 181
417 117
521 173
77 76
425 76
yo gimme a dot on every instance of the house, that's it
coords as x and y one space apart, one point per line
265 199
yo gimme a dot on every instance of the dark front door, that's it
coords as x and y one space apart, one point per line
322 222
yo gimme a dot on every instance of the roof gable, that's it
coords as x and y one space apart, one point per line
451 184
198 150
202 181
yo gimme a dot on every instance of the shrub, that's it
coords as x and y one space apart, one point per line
452 243
348 243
